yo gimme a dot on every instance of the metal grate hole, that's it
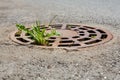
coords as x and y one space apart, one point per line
34 43
64 38
27 34
81 34
76 30
30 37
75 45
22 40
43 27
100 31
68 45
49 44
91 31
52 38
92 35
73 26
17 34
67 41
63 45
28 28
51 41
93 42
82 28
75 36
103 36
81 31
88 27
84 39
57 26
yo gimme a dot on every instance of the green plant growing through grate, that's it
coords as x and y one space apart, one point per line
38 33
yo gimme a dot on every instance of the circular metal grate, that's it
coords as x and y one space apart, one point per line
72 36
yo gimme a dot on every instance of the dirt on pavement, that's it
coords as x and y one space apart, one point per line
18 62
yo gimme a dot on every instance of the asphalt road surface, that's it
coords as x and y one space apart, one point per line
19 62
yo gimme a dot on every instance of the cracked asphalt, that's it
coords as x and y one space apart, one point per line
100 62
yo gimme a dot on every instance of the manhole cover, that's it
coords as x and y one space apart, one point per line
72 36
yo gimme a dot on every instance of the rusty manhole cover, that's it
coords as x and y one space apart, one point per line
72 36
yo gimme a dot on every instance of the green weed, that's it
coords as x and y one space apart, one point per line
38 33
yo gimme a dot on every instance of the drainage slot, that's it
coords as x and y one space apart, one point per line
52 38
92 42
57 26
63 45
22 40
68 45
49 44
100 31
27 34
75 44
67 41
92 35
30 37
51 41
84 39
34 43
17 34
103 36
43 27
82 28
88 27
72 26
64 38
91 31
81 31
75 37
76 30
81 34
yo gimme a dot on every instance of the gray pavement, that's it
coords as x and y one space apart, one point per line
19 62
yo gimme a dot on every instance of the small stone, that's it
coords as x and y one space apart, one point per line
119 72
105 77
